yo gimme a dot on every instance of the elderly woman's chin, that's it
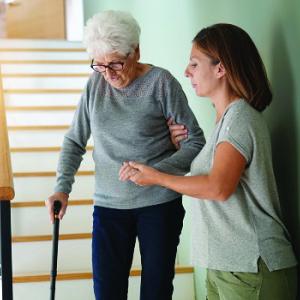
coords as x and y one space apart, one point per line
116 83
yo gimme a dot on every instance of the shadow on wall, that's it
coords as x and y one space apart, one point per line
282 120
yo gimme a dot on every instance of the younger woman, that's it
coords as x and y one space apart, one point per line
238 232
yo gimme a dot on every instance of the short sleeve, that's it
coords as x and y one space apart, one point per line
237 131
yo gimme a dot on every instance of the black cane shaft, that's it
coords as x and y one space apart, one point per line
57 206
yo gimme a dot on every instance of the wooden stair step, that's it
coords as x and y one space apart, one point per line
48 174
42 49
46 277
38 127
41 149
42 203
38 108
21 75
87 275
48 61
44 238
42 91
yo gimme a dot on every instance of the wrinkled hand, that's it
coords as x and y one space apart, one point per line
63 198
139 174
178 132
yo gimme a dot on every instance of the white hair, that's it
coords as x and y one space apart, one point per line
111 31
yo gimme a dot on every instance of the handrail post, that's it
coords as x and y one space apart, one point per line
6 194
5 250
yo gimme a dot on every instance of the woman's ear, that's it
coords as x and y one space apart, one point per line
220 70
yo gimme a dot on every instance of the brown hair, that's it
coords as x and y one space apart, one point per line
246 74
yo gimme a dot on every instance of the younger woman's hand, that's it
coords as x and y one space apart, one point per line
143 174
126 171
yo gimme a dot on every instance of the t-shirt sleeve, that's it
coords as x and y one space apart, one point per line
237 132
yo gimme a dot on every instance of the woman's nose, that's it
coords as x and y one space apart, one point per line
187 72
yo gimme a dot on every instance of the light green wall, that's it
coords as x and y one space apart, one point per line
167 29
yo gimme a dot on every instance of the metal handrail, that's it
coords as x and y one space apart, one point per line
6 195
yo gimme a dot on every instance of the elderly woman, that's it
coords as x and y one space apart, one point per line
125 107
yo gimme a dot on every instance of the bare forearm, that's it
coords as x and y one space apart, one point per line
201 186
219 184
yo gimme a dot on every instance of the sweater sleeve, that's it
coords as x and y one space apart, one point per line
74 144
175 105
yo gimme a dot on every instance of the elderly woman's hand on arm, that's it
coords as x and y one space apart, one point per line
178 132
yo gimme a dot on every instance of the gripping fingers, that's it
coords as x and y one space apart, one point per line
62 211
63 198
180 138
178 131
49 205
170 122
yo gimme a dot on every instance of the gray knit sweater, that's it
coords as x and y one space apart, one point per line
129 124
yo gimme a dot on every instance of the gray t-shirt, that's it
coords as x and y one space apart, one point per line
232 235
129 124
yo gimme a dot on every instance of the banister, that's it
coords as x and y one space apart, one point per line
7 193
6 177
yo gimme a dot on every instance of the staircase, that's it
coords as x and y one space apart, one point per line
42 82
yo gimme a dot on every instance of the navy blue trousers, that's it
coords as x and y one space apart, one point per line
115 231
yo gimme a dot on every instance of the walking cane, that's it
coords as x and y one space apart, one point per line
56 209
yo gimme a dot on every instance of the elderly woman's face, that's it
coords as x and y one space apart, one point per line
119 78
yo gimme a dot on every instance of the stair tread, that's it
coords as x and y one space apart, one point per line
8 75
49 173
74 202
37 127
41 149
47 61
19 49
41 91
48 237
30 108
22 278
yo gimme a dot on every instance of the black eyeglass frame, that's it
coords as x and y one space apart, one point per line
109 66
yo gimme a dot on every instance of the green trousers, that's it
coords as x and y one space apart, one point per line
264 285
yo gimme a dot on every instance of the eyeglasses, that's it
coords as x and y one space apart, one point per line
114 66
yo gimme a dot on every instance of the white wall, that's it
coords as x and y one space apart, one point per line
74 19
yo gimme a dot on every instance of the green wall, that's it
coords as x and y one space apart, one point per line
168 27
